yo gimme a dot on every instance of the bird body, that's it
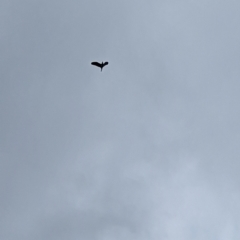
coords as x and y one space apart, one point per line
101 65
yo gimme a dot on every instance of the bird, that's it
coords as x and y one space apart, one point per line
101 65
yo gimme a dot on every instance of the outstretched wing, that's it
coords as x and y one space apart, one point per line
96 64
106 63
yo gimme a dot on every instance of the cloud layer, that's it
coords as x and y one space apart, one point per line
146 149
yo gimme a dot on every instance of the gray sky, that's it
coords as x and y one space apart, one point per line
146 149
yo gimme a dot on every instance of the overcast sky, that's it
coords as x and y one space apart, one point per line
146 149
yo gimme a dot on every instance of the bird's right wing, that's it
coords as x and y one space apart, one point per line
106 63
96 64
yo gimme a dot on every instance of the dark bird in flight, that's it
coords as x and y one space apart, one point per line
101 65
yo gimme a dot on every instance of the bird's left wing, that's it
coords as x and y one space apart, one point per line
96 64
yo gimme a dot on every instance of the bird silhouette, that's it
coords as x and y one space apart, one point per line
101 65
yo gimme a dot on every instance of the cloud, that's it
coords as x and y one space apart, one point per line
145 149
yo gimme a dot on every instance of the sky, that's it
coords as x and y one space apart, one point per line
146 149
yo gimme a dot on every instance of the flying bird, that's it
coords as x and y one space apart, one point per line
101 65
